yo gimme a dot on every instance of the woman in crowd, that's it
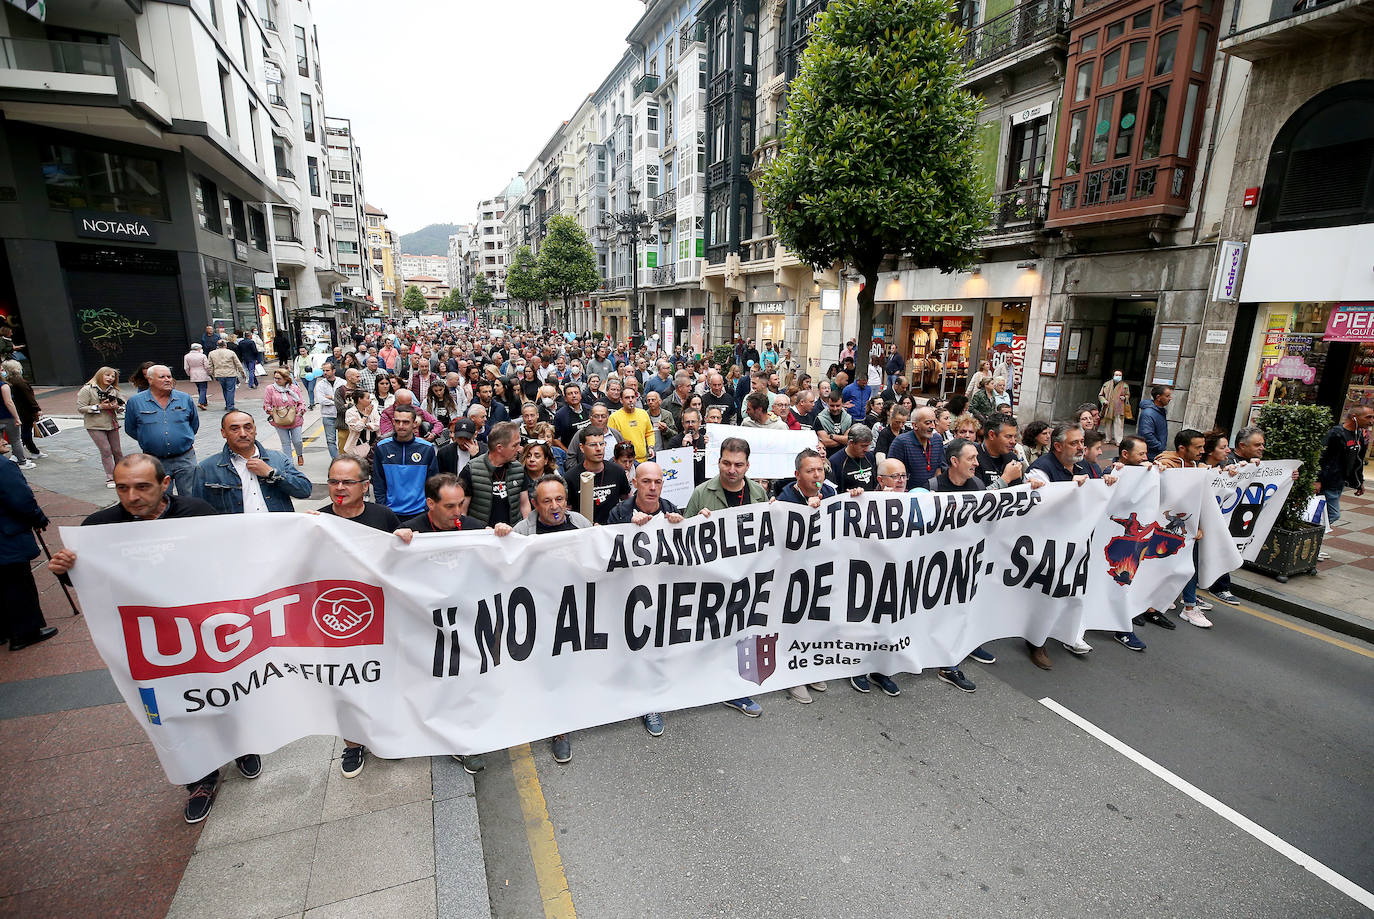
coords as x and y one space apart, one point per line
285 407
364 420
529 384
982 403
306 370
625 457
386 392
544 431
9 422
440 403
537 458
876 412
1087 416
1035 440
1001 399
897 420
1216 449
966 426
197 367
102 410
27 404
140 376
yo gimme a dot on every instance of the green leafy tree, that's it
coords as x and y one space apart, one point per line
413 300
480 296
879 154
523 281
567 262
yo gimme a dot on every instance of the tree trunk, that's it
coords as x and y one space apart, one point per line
863 339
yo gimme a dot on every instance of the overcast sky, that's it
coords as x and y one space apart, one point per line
450 99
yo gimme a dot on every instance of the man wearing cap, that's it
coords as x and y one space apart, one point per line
463 448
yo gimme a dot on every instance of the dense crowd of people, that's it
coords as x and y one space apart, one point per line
449 429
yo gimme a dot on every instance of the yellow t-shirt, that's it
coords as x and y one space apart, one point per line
636 428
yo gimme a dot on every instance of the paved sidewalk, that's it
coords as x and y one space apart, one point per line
89 824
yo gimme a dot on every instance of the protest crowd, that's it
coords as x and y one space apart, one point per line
448 428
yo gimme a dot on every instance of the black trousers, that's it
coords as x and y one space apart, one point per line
20 613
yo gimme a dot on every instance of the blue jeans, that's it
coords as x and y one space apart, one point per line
182 469
1333 504
328 436
228 385
1190 589
310 391
202 386
252 368
291 441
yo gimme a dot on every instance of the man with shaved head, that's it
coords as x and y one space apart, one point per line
165 422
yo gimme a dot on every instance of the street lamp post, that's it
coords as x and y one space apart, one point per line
628 228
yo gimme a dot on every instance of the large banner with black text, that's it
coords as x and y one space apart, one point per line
468 642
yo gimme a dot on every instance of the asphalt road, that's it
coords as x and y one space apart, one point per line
991 804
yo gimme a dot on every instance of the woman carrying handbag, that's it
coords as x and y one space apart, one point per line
102 409
285 407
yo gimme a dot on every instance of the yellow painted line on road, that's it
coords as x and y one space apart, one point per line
548 864
1268 617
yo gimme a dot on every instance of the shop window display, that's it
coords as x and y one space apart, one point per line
1302 357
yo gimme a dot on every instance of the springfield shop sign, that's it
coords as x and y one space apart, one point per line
1351 322
469 642
126 228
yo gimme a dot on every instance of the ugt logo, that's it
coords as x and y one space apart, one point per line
1126 552
757 657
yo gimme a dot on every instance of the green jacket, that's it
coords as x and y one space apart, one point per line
711 496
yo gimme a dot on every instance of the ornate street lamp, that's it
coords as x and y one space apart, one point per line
628 228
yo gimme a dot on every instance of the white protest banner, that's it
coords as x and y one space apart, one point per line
772 454
677 474
467 642
1251 500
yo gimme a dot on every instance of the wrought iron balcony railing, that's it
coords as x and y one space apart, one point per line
1023 208
1015 29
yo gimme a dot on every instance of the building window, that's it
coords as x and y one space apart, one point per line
1164 57
284 224
1083 85
308 117
253 128
257 229
1102 129
1027 161
237 219
224 96
302 53
312 166
1126 122
1185 132
721 52
207 205
345 246
81 178
1154 122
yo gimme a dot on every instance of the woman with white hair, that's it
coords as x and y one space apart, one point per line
197 367
102 410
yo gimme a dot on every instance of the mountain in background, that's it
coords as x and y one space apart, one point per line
430 240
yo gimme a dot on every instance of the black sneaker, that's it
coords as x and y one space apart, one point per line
982 655
860 683
562 748
351 763
1159 619
471 764
201 800
955 677
250 765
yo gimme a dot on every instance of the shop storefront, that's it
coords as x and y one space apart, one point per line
1004 341
770 319
615 318
1313 353
940 341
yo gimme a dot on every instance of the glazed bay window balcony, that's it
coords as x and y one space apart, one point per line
1019 27
663 275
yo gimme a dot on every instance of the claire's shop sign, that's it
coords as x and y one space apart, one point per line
1351 322
126 228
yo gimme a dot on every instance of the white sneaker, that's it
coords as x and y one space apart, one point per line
819 687
800 694
27 464
1079 647
1193 615
40 454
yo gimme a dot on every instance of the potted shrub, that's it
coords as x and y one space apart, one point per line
1293 432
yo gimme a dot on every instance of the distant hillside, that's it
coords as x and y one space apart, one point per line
430 240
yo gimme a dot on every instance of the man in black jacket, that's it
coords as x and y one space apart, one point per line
249 355
1342 460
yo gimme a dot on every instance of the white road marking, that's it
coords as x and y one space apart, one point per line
1292 853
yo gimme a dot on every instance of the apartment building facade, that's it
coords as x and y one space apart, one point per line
383 253
348 206
135 160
